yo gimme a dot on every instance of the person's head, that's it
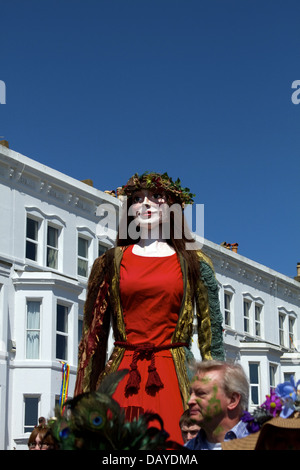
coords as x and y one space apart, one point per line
149 209
41 439
156 198
153 198
219 395
189 429
42 421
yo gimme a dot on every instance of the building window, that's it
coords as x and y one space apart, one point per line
227 309
31 405
83 247
286 323
273 371
101 249
281 329
33 330
254 383
80 329
287 376
52 247
57 401
62 332
32 227
247 306
291 333
257 320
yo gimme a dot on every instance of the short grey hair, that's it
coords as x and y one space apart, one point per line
235 379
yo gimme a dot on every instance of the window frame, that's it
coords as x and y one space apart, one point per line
101 248
81 258
39 330
273 375
247 318
55 249
41 242
33 241
253 303
228 292
291 332
284 327
62 334
258 307
28 428
281 328
254 385
227 309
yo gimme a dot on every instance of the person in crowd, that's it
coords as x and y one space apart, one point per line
189 429
219 396
41 439
147 287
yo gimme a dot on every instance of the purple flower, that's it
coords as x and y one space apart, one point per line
252 424
247 417
273 404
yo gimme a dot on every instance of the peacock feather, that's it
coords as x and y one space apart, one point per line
95 421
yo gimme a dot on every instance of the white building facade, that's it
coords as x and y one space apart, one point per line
50 234
261 311
49 238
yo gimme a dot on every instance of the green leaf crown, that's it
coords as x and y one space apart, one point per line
159 182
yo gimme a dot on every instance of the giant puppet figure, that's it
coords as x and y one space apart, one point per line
148 288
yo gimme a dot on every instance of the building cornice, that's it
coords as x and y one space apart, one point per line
259 347
22 279
235 265
38 364
44 181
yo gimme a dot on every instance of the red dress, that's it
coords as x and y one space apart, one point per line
151 293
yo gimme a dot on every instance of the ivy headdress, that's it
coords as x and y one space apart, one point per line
158 182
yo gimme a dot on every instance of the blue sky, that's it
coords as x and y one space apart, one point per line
198 88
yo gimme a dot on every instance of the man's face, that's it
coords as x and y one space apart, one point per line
188 432
208 402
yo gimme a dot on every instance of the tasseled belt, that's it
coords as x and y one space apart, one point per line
141 351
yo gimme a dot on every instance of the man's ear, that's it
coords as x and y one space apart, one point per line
234 401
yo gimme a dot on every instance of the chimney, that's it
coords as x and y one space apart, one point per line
226 245
88 182
297 278
234 247
230 246
110 192
4 143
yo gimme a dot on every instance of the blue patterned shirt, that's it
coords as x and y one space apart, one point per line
200 443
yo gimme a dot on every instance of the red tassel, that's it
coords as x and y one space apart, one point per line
134 380
154 382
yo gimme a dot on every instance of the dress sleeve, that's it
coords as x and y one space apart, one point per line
93 344
210 331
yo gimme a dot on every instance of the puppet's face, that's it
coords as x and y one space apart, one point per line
149 208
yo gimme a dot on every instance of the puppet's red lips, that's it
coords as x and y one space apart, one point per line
145 215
